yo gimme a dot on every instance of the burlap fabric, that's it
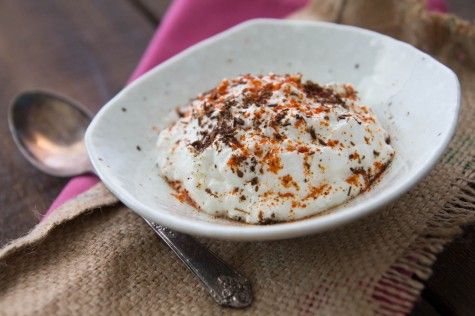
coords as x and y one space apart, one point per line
94 256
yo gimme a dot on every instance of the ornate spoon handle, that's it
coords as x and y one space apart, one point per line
225 285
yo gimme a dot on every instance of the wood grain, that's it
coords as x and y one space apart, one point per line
451 289
83 49
153 8
423 307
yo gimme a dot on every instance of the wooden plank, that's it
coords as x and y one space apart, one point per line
82 49
425 308
153 8
463 8
451 289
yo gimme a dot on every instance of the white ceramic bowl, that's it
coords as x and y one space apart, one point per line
416 98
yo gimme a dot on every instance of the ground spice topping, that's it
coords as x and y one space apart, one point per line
267 148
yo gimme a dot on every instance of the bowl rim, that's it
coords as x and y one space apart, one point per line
284 230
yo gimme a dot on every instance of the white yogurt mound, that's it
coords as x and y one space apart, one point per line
263 149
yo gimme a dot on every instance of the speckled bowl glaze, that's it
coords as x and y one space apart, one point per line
415 97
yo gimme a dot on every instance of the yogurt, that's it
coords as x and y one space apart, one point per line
263 149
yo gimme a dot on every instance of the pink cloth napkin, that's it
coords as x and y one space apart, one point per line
188 22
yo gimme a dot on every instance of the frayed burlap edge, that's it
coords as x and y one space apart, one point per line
401 285
95 198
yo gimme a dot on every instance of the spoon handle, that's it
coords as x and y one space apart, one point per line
225 285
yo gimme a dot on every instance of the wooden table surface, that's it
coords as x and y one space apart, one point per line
86 50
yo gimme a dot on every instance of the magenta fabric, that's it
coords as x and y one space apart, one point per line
186 23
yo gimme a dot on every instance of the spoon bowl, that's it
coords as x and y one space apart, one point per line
49 130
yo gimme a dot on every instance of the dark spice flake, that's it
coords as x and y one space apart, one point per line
322 142
312 133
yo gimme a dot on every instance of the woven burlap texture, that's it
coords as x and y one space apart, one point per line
94 256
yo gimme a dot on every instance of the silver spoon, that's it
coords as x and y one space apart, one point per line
49 131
